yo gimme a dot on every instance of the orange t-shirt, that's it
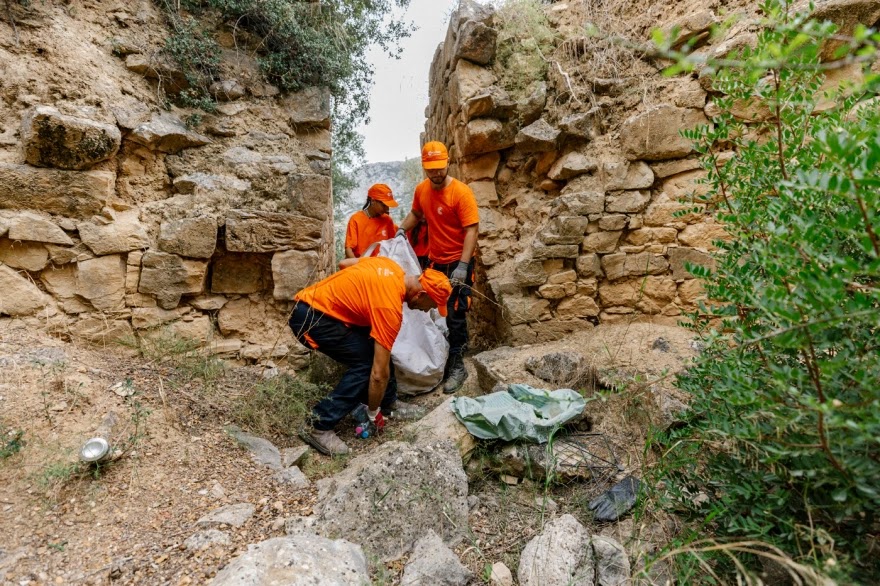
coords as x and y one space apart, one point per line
447 213
363 231
369 294
419 243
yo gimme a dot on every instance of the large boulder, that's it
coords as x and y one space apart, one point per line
124 234
190 237
394 495
52 139
74 194
476 42
654 135
492 102
166 133
301 560
20 296
434 564
254 231
467 81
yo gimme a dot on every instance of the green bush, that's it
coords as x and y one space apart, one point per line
781 445
525 39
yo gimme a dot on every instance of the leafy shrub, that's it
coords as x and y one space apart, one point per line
781 442
279 406
525 38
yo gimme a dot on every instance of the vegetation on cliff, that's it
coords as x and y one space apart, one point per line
778 459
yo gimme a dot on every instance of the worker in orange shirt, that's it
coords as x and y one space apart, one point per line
449 210
372 223
418 239
354 316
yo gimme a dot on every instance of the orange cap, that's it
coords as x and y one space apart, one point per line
434 155
437 286
381 192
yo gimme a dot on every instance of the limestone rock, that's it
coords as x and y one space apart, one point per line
578 306
588 265
166 133
125 233
560 556
310 195
566 369
151 317
299 560
309 108
846 14
101 331
500 575
678 256
234 515
571 165
618 266
471 10
538 137
209 302
484 135
476 42
480 167
424 487
703 235
254 231
441 423
262 450
172 77
35 228
654 135
582 126
601 242
663 210
207 538
619 175
29 256
190 237
492 102
168 277
543 251
628 202
528 272
294 456
612 563
691 26
293 270
208 183
240 273
531 107
564 230
101 280
580 197
20 296
52 139
468 80
60 281
67 193
485 193
130 114
519 309
647 294
434 564
227 90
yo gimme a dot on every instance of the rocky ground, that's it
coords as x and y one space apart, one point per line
133 521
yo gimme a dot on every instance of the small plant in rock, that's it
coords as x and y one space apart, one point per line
778 459
11 441
279 406
525 40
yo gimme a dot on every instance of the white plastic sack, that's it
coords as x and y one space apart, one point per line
420 351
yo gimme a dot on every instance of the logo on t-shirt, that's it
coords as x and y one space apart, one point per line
439 210
383 272
383 232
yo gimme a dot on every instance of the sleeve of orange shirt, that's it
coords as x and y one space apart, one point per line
386 325
468 213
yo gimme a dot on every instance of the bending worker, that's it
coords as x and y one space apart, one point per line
354 316
449 209
372 223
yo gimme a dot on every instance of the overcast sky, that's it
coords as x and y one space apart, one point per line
400 91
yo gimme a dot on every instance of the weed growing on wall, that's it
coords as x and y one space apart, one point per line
525 41
779 459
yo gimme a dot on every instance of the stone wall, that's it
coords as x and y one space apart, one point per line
583 184
121 214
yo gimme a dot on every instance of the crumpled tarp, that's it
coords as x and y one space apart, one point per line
522 412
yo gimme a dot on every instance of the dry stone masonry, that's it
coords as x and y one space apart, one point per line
123 216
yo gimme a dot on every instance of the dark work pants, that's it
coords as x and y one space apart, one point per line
349 345
457 307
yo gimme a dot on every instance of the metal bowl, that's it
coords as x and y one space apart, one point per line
94 450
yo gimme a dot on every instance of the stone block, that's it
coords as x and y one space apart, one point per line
691 291
310 195
468 80
60 281
538 137
242 274
254 231
589 265
531 107
484 135
101 331
582 196
293 270
485 193
628 202
686 185
29 256
703 235
166 133
647 294
52 139
75 194
618 266
492 102
564 230
101 280
664 212
190 237
668 168
124 234
168 277
521 309
623 175
654 135
35 228
308 108
480 167
644 236
569 276
543 251
62 255
528 272
143 318
601 242
580 306
571 165
613 222
20 296
679 256
582 126
207 183
476 42
554 291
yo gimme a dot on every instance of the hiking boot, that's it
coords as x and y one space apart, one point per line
457 375
406 411
326 442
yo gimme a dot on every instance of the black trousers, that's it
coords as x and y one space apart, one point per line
457 307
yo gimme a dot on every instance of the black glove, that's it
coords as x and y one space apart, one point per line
616 501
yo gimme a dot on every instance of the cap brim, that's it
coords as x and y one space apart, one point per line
435 164
441 309
391 203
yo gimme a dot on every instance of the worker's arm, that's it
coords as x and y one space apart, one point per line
349 253
470 242
347 262
379 375
411 219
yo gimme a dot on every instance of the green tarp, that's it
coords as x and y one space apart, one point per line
522 412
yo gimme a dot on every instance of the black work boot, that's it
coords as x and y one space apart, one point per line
456 376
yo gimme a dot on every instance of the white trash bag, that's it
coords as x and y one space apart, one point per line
420 351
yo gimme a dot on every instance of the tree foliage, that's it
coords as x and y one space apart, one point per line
781 444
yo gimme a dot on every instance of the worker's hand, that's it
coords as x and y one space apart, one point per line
371 427
401 233
460 272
